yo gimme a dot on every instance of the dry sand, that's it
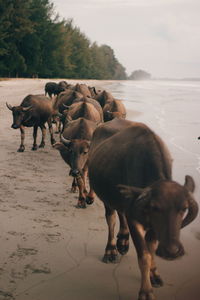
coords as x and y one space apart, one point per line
51 250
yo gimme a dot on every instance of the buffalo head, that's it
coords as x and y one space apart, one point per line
109 115
19 114
75 153
164 207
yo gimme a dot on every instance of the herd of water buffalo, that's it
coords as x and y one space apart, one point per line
129 168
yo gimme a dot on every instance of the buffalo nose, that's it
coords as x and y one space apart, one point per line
174 249
75 172
170 252
14 126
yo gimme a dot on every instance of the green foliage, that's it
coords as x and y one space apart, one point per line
35 42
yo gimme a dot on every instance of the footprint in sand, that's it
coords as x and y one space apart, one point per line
40 270
22 252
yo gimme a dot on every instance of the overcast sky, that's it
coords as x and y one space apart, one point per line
159 36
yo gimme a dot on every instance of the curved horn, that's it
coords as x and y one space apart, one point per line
189 183
66 106
9 106
59 115
192 212
26 108
193 206
65 141
94 89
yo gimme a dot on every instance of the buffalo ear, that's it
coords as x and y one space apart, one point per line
189 183
129 192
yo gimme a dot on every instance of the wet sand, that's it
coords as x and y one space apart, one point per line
51 250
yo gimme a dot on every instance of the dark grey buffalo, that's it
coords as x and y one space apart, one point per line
130 170
34 111
53 88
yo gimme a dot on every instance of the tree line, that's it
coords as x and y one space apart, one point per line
35 42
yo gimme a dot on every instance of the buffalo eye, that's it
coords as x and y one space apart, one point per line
85 151
183 209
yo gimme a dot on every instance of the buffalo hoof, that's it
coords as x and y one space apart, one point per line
123 243
89 200
73 189
110 258
81 204
34 148
53 141
156 281
42 145
146 295
21 149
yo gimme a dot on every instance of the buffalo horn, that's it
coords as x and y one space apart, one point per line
65 141
9 106
192 212
66 106
26 108
193 206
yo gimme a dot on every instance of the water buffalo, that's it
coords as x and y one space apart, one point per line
130 171
83 89
59 102
34 111
114 109
87 108
74 147
52 88
103 97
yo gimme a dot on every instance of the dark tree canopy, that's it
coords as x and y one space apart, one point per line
35 42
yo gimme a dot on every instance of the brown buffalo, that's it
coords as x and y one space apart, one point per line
114 109
130 171
74 147
59 105
103 97
86 108
34 111
83 89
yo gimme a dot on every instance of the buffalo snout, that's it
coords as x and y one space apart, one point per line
14 126
74 172
170 252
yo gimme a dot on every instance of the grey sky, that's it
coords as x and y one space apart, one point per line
159 36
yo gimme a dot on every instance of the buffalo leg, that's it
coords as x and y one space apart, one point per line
110 251
21 147
51 131
144 259
84 176
152 242
74 185
81 187
35 128
43 129
123 235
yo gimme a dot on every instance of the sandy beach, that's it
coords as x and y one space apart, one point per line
50 250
